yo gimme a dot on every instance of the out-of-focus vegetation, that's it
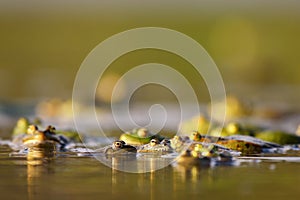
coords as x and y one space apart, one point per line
255 45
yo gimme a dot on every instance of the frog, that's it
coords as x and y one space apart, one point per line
155 146
279 137
197 123
120 147
35 138
275 136
23 123
244 144
231 128
43 139
21 126
236 107
198 137
214 151
235 128
247 145
50 134
180 142
188 158
139 136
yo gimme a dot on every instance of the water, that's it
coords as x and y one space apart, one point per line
67 176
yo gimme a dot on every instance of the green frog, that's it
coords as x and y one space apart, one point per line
43 139
188 158
247 145
139 137
198 123
275 136
180 143
244 144
22 125
235 107
279 137
235 128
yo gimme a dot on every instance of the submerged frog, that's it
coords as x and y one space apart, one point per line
247 145
50 133
217 152
203 153
139 137
180 143
155 146
34 138
244 144
234 128
275 136
22 127
197 137
202 149
37 139
120 147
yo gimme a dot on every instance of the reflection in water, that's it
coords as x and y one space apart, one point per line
194 175
79 178
146 183
133 163
37 161
170 180
188 173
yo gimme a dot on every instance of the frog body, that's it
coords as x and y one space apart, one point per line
120 147
139 137
155 146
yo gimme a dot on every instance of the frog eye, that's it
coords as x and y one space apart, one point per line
52 128
118 144
33 127
153 141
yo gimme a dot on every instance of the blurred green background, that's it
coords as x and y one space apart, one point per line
255 44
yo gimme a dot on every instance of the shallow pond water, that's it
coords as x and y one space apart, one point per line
72 177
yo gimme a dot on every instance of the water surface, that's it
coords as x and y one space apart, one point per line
73 177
